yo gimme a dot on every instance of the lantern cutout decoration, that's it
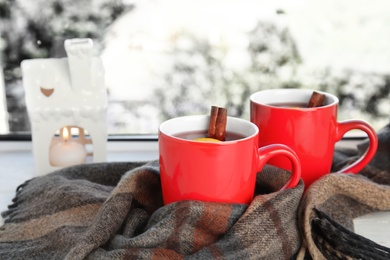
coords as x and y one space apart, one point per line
66 101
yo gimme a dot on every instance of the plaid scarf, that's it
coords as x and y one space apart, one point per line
115 211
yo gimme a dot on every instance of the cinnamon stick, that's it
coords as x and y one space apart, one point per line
316 99
213 121
217 124
220 125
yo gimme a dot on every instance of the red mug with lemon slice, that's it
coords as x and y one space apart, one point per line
215 171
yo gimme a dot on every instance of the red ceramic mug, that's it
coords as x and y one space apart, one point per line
310 132
214 171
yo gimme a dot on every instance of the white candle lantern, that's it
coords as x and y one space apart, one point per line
66 100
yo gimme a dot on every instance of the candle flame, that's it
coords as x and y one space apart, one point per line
65 134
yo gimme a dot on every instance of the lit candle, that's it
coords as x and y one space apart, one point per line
67 152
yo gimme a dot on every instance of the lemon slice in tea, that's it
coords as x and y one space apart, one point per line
206 139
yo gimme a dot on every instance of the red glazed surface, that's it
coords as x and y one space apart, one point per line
218 172
310 132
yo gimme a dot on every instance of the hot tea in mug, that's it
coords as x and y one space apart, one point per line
193 167
192 135
311 130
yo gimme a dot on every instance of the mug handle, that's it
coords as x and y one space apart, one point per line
348 125
269 151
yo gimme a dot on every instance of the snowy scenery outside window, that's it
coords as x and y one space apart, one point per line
168 58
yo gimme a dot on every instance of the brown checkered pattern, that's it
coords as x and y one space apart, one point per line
115 211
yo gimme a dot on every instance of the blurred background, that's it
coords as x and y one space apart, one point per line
167 58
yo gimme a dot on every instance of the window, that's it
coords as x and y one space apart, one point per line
166 58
